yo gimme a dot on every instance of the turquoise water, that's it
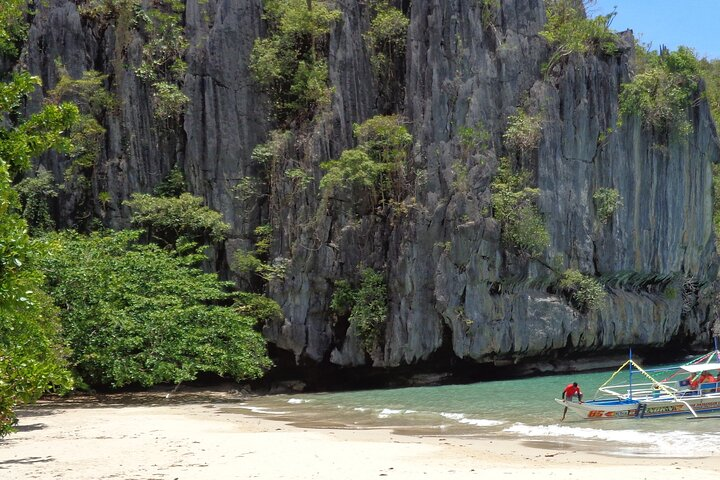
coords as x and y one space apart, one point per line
517 408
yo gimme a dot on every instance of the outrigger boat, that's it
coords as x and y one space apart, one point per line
663 391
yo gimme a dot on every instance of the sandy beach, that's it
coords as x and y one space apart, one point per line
205 440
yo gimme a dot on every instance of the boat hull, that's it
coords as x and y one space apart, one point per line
645 408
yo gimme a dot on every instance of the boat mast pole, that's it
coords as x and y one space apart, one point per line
631 364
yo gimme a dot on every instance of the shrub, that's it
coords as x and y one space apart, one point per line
367 304
154 317
386 39
168 101
14 26
171 186
35 194
514 207
169 219
586 293
286 64
31 359
662 92
606 200
569 31
378 163
523 132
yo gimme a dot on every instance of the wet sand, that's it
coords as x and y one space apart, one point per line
157 438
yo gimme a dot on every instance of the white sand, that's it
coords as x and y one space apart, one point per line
198 441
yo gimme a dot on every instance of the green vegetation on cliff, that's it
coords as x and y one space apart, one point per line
377 166
513 202
570 31
290 63
662 90
366 305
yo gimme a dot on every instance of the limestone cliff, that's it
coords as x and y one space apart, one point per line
453 285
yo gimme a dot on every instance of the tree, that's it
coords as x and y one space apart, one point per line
138 314
31 360
167 219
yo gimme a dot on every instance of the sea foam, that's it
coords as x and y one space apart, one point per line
672 444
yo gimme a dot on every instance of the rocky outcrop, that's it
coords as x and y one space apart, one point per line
452 284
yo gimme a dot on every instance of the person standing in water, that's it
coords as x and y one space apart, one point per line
571 390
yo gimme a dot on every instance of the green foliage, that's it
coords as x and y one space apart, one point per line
385 40
142 315
343 298
488 12
169 219
710 71
377 165
461 183
663 90
586 292
569 31
300 177
31 361
168 101
367 304
523 132
163 67
90 95
13 26
35 193
514 207
257 260
36 134
171 186
472 139
607 200
288 63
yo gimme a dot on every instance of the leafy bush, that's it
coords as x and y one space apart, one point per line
288 64
141 315
168 101
514 207
586 293
168 219
607 200
14 26
31 359
35 194
662 92
523 132
376 165
257 261
171 186
367 304
569 31
386 39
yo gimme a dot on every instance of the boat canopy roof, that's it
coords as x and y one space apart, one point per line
699 367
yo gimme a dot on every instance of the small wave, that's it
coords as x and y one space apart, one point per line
478 422
387 412
297 400
262 410
675 444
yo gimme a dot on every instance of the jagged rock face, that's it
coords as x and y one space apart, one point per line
451 281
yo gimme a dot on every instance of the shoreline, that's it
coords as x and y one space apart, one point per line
198 440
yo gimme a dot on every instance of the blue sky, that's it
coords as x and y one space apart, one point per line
694 23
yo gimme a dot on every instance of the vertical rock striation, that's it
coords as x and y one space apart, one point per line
452 284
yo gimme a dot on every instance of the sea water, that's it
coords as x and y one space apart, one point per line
522 408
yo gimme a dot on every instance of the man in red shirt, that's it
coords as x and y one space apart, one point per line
567 395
